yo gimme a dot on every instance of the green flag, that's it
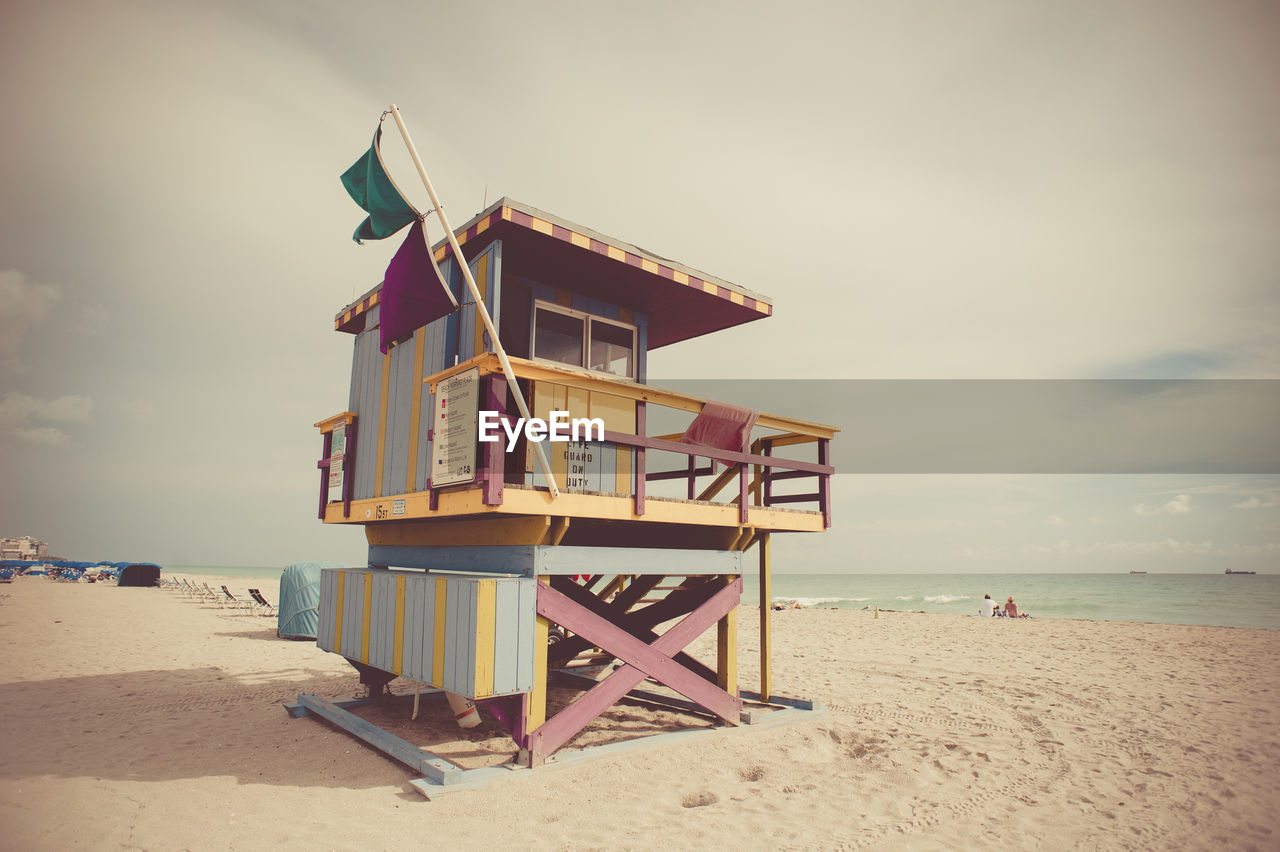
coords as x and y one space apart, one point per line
371 187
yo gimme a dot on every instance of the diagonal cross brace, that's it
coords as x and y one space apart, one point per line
642 660
636 623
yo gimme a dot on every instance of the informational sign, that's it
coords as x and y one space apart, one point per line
337 452
579 461
454 421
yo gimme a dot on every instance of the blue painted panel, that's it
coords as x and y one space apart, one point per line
525 638
384 623
410 643
516 559
324 611
505 630
426 672
399 404
449 675
380 623
368 409
352 614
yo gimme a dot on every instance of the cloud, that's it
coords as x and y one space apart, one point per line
23 304
48 436
1058 521
18 410
1179 505
1264 499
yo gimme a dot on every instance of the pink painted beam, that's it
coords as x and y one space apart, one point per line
617 613
641 660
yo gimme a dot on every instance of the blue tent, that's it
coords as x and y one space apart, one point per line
300 599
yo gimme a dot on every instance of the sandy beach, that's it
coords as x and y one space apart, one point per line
142 719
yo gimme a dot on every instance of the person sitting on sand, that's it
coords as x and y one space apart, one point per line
988 607
1011 610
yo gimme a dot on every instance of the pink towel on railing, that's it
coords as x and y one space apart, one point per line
721 425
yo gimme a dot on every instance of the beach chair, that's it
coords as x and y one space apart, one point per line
262 601
232 600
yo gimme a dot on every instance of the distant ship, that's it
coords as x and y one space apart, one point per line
1229 571
1137 572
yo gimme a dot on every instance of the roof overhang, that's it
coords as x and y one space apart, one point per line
680 301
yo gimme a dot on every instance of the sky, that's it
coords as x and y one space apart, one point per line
991 190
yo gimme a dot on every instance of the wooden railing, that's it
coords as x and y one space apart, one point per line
756 455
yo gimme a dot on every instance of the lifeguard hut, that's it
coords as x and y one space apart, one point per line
475 560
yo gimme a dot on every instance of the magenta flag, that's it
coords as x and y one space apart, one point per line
412 293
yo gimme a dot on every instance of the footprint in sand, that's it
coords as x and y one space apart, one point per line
699 800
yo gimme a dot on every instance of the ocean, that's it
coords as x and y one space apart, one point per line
1215 599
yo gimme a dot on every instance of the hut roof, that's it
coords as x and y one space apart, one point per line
681 302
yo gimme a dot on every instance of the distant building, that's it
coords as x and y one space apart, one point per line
23 547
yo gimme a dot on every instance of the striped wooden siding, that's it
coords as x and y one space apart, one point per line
472 636
393 427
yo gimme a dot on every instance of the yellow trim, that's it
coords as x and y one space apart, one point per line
415 411
579 240
540 225
397 651
727 647
437 648
648 265
616 253
736 298
495 531
382 423
330 423
708 287
368 618
557 532
536 709
680 277
521 501
482 226
337 613
486 618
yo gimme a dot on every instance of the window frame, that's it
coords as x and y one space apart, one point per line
588 319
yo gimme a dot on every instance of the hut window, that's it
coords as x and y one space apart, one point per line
558 336
566 336
613 348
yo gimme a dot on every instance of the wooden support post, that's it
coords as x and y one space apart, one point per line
727 646
535 702
494 458
766 609
323 464
766 476
756 449
824 483
640 431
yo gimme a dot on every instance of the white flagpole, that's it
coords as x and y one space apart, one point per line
481 310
